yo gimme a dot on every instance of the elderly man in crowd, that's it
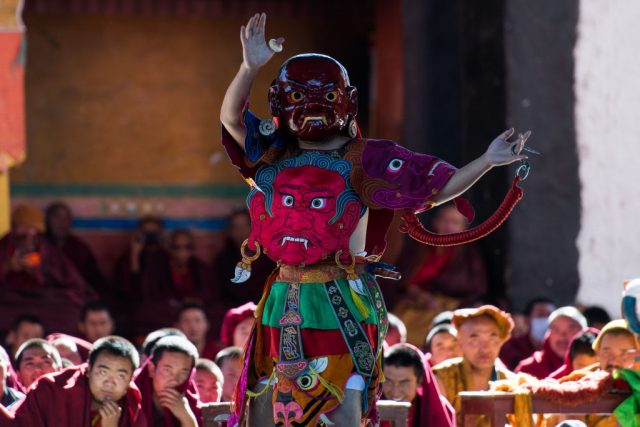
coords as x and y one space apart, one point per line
481 333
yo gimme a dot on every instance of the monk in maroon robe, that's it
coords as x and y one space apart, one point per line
58 220
36 276
98 394
408 378
564 324
165 380
160 279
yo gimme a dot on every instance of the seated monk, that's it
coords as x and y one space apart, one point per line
74 349
237 325
438 278
9 396
35 358
580 353
408 378
209 380
96 321
230 362
58 221
25 327
442 343
564 324
518 348
36 274
98 394
193 322
164 381
481 333
152 339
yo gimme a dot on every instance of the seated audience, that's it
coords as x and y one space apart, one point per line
58 220
237 325
230 362
209 380
442 344
37 275
397 332
225 263
439 278
75 350
165 384
192 321
35 358
160 280
25 327
580 354
100 393
519 348
596 316
481 333
96 321
564 324
408 378
9 396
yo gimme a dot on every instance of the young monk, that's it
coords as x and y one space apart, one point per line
35 358
98 394
209 380
164 382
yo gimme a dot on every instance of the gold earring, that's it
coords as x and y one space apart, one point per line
242 271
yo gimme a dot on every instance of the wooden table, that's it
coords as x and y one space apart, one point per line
496 405
213 414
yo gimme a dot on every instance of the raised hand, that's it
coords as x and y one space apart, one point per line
109 414
255 50
503 152
178 405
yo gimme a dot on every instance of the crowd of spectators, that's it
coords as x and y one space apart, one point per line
185 327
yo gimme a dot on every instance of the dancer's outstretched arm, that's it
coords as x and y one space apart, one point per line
255 54
500 152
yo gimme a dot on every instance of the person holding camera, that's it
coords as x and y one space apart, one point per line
160 275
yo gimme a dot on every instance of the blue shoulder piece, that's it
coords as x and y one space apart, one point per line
256 143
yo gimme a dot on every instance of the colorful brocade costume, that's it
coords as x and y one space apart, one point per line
322 318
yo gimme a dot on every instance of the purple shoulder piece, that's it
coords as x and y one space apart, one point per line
387 175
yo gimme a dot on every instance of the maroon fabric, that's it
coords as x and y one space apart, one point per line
82 257
56 293
516 350
210 351
84 346
155 291
65 398
6 417
567 367
188 388
232 318
542 363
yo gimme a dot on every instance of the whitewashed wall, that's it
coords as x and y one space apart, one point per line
607 89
